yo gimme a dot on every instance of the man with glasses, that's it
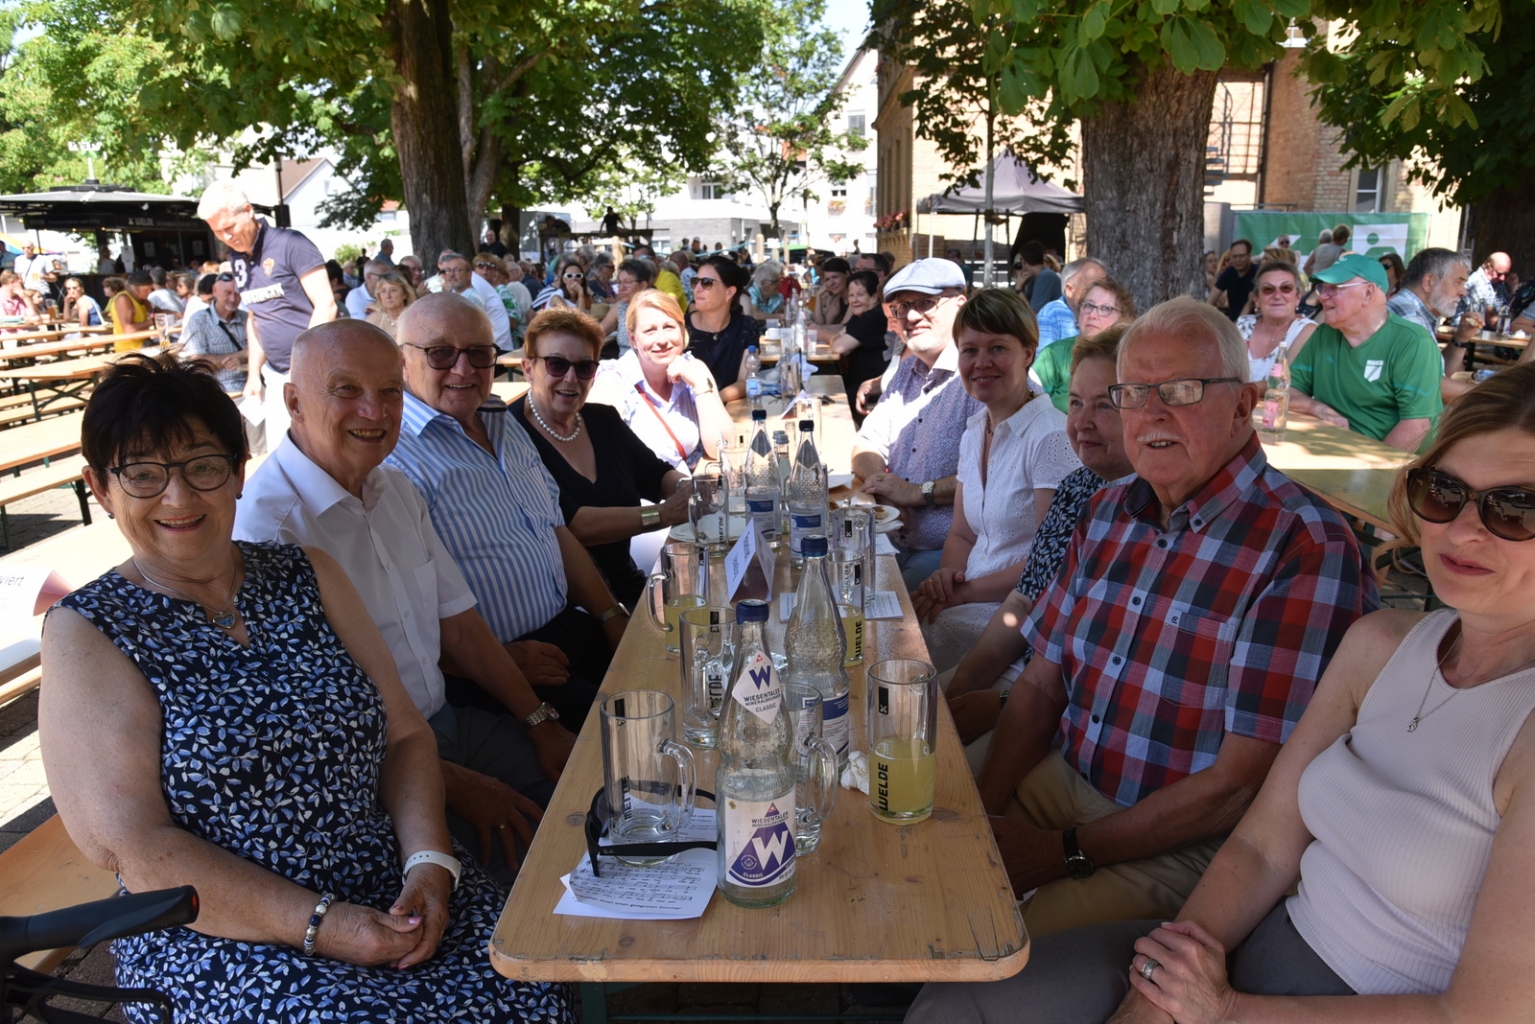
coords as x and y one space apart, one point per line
907 452
1486 287
216 334
1058 318
1235 285
497 510
358 298
1365 369
1193 615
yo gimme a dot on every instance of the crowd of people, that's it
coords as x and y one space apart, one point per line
335 693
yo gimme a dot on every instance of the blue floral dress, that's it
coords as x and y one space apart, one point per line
273 752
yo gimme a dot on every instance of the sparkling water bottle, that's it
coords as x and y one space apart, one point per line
785 466
816 647
807 492
1275 413
753 377
754 784
762 478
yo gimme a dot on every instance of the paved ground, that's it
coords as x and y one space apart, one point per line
43 515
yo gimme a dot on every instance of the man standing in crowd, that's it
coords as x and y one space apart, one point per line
1047 283
497 509
325 486
1194 613
29 267
1366 369
907 452
217 334
1058 318
283 285
1234 286
386 253
358 298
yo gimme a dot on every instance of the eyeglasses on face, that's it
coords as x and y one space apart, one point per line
484 266
150 479
1093 309
1174 393
1437 497
1280 289
923 307
445 357
1333 289
559 366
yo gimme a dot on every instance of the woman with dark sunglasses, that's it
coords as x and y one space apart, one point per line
568 290
718 330
1277 324
602 467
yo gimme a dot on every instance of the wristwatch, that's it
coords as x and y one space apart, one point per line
541 714
927 493
1002 697
443 860
612 613
1077 863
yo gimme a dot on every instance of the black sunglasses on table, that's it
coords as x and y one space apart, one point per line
597 816
1437 497
445 357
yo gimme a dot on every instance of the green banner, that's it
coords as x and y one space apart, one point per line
1373 234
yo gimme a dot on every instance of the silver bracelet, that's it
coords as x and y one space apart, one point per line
314 922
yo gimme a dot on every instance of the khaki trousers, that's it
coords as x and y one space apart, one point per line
1054 797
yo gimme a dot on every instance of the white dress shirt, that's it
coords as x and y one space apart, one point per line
357 303
500 323
385 542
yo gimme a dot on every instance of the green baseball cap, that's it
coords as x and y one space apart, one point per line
1354 265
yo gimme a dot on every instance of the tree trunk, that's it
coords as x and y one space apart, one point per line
1505 222
424 120
1143 169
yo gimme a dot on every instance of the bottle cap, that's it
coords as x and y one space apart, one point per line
751 348
813 546
807 424
751 611
759 414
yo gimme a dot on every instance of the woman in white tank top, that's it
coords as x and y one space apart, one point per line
1404 802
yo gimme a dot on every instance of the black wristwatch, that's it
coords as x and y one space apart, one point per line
1077 863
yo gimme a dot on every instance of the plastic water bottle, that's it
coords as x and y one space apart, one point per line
816 647
753 377
807 492
762 478
754 784
1276 399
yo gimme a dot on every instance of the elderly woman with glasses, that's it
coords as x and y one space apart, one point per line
665 395
763 299
1105 304
603 469
1277 326
1400 812
226 715
633 277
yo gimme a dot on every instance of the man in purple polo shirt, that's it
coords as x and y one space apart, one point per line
283 285
908 450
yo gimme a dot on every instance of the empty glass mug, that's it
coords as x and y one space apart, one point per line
708 658
815 772
684 580
648 775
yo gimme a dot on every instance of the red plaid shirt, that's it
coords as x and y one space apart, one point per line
1223 622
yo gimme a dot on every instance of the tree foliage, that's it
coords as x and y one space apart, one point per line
779 140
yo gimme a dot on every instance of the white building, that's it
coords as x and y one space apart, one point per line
843 218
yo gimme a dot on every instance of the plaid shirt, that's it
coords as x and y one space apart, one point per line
1167 640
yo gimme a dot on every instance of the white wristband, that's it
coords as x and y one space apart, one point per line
442 860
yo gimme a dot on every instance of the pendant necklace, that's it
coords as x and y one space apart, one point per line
550 430
223 619
1412 726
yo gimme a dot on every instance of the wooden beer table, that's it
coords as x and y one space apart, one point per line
876 902
1352 472
835 442
41 349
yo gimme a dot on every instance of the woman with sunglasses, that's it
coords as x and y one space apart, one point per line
1400 810
1277 324
603 469
226 715
718 330
568 290
79 307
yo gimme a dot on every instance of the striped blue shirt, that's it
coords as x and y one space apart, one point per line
496 514
1056 323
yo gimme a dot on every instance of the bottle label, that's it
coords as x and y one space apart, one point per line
760 506
835 724
758 688
801 526
851 583
753 387
759 841
714 679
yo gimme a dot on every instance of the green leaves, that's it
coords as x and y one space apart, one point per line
1192 45
1095 20
1254 16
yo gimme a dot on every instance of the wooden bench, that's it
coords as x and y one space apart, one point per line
65 472
46 871
16 410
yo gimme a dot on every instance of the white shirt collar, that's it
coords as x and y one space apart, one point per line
316 488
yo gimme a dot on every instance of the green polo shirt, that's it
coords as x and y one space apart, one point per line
1393 376
1053 368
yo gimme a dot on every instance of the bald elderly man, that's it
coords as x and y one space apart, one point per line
325 486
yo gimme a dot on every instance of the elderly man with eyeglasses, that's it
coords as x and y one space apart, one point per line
1195 610
907 452
1365 368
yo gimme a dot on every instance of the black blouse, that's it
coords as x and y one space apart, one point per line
627 470
721 351
868 360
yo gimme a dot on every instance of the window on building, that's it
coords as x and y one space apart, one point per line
857 125
1367 192
711 190
839 191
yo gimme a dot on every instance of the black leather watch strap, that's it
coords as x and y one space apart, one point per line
1078 865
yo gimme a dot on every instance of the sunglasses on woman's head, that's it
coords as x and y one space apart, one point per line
1437 497
559 366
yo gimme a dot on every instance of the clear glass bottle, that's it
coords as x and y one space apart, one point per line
1274 414
806 492
816 647
753 373
755 783
762 496
785 465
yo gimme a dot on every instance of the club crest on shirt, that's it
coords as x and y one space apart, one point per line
268 263
1372 369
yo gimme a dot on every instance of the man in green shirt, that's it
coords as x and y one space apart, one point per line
1366 369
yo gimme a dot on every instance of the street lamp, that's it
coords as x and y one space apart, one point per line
90 149
1294 39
